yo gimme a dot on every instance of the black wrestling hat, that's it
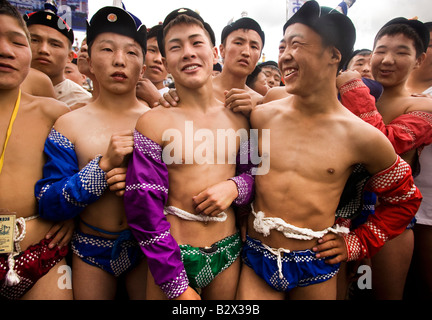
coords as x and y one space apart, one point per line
418 26
48 17
334 27
174 14
116 20
243 23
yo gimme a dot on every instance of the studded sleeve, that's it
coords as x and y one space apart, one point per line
399 200
244 178
145 197
407 132
65 190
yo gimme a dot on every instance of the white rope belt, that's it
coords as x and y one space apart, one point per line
221 217
278 253
265 225
11 276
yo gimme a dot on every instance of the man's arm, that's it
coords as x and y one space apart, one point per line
145 197
64 191
407 132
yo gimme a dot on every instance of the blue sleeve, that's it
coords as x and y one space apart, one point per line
64 191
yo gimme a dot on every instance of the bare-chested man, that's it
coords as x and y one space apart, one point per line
87 151
29 269
179 168
294 247
399 49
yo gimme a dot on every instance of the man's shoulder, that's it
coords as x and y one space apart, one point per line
153 122
49 107
422 104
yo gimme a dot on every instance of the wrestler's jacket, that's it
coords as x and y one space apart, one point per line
65 190
146 195
409 131
399 200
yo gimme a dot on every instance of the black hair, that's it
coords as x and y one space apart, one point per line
9 10
407 31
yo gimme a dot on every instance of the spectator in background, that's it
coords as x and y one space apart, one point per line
51 44
257 81
272 73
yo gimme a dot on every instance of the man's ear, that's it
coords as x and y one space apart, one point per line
420 60
215 55
222 51
70 56
164 62
336 56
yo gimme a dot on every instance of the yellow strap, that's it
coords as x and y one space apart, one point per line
9 130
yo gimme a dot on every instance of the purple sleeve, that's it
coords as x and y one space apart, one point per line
145 198
244 179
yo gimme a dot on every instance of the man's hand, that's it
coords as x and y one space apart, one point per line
215 199
116 179
239 100
169 99
120 146
346 77
331 245
62 232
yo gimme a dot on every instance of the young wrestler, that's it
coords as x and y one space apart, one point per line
200 218
51 44
241 48
87 151
293 246
406 120
29 269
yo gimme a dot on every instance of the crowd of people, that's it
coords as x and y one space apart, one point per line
156 164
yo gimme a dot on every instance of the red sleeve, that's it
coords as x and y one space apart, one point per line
407 132
399 201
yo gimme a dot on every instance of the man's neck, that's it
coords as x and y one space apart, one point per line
113 101
7 100
57 79
317 101
415 85
201 98
228 81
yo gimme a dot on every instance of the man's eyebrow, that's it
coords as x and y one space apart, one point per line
190 37
16 34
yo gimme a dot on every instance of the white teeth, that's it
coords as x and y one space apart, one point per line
288 72
191 68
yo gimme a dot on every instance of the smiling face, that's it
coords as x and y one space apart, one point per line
303 60
241 51
15 53
190 56
117 62
393 59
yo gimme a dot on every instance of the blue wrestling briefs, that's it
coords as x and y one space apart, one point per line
284 270
115 256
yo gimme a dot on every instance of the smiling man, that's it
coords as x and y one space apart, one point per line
51 45
197 244
399 49
294 247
